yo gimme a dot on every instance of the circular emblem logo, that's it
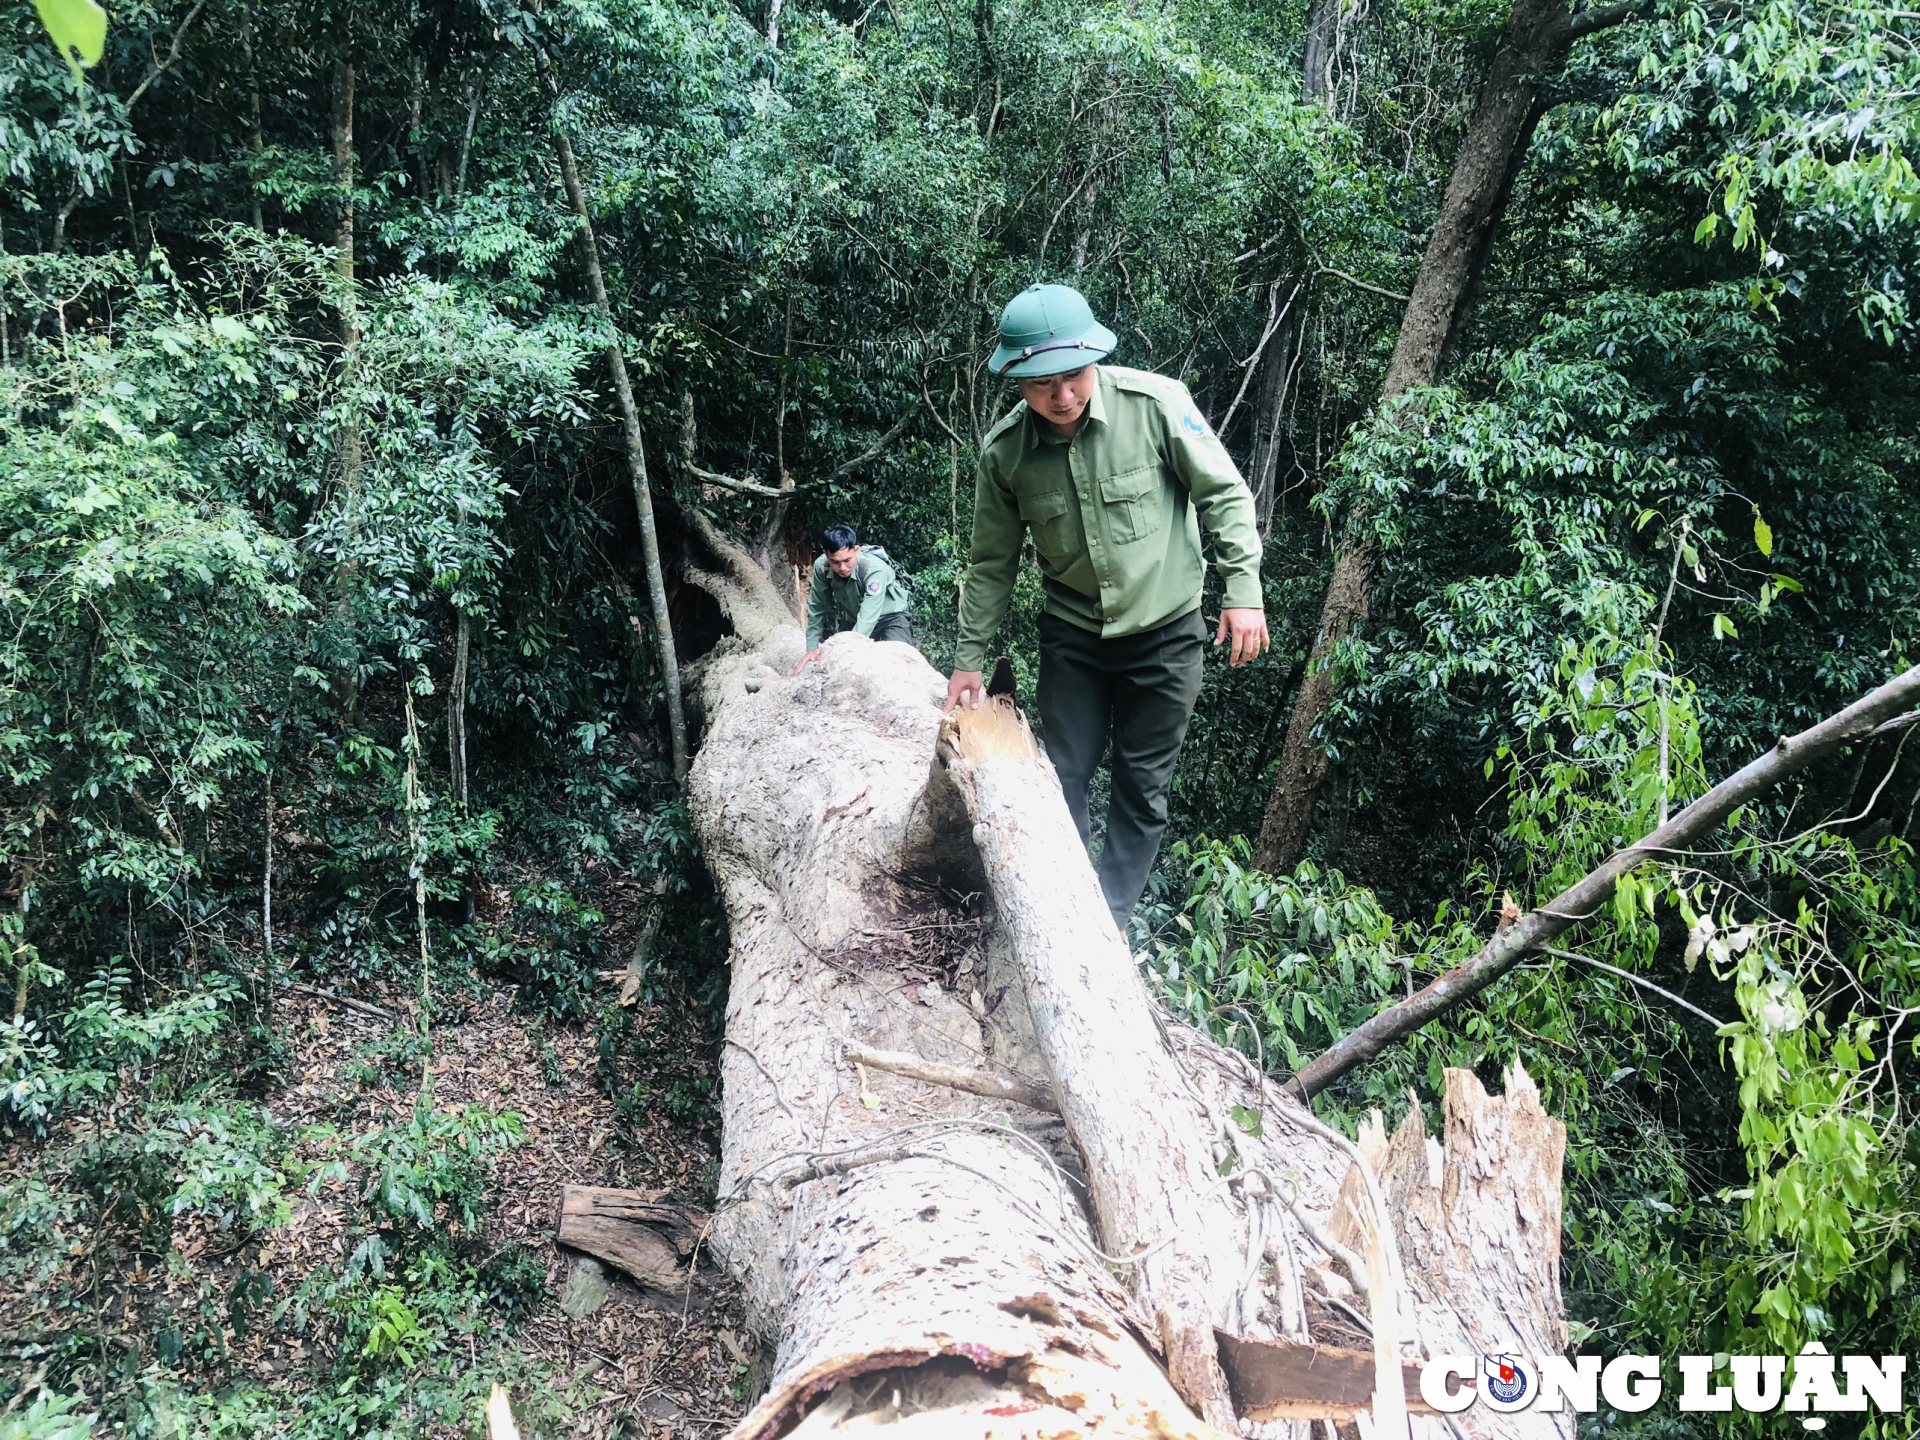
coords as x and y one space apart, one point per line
874 587
1506 1382
1193 423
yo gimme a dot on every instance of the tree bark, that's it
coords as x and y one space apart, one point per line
630 422
1539 35
970 1254
457 708
341 135
255 140
1316 69
1585 898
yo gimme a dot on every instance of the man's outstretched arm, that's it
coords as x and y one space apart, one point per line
991 570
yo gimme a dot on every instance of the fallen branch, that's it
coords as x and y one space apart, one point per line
1580 901
1017 1088
347 1002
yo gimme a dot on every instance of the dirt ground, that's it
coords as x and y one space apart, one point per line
638 1365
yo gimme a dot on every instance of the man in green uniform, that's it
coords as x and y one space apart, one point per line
1112 471
855 587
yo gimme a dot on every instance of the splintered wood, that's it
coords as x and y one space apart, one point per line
926 1245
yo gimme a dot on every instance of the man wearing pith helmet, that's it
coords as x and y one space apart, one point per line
1112 471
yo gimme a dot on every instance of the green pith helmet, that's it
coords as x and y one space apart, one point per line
1048 330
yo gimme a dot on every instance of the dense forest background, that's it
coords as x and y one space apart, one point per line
328 671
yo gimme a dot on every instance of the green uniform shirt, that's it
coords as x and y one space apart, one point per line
857 602
1115 514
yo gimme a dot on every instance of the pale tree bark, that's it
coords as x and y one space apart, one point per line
973 1179
341 135
1539 35
457 707
630 426
1322 53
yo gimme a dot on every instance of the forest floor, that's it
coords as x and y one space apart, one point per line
637 1365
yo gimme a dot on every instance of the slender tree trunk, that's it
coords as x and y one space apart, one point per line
255 141
343 178
1322 55
630 421
1279 367
457 709
266 894
266 866
417 856
23 953
773 528
474 104
1539 35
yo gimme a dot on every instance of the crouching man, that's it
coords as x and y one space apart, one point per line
855 587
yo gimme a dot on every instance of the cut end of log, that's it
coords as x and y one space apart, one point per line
995 731
500 1424
1059 1393
1281 1380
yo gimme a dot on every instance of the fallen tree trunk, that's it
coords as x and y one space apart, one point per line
972 1178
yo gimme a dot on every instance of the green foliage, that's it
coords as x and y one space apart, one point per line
51 1417
1811 944
1663 509
417 1178
1298 960
558 967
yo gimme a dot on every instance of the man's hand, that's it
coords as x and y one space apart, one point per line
801 663
966 687
1248 629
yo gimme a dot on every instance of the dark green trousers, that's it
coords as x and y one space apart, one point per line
1136 695
897 626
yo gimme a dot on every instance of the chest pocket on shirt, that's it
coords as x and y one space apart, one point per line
1045 511
1132 501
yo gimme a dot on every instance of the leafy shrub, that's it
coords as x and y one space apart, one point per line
514 1281
416 1179
50 1417
557 970
82 1057
1303 957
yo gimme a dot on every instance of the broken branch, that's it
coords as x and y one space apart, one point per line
1017 1088
1581 900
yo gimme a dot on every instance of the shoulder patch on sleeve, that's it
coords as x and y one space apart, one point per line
876 585
1194 423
